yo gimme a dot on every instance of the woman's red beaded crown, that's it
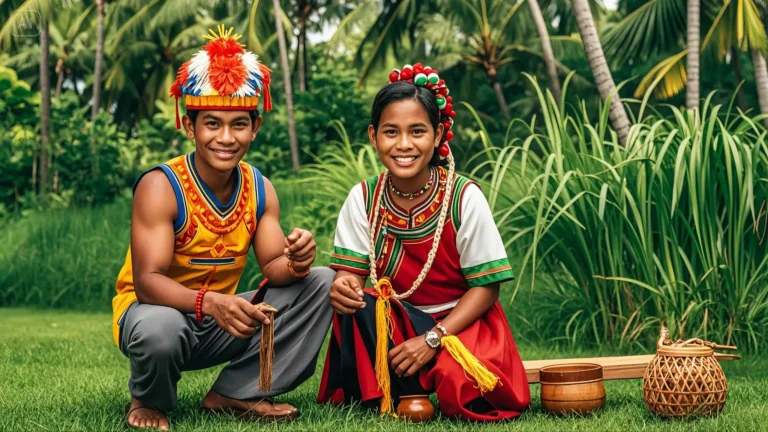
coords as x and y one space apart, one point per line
425 76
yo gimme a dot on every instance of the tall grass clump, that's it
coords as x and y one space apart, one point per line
70 258
617 240
330 178
64 258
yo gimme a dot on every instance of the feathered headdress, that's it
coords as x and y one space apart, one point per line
222 76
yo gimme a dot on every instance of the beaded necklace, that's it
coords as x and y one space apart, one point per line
412 195
382 227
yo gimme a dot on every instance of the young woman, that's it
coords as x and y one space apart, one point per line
426 238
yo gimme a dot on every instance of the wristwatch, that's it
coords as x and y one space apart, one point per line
433 340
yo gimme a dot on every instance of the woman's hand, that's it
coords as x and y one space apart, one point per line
347 295
407 358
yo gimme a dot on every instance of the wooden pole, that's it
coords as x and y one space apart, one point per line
614 368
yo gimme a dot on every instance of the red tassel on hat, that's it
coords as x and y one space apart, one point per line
266 78
178 119
267 96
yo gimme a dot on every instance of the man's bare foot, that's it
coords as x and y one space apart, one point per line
142 416
263 407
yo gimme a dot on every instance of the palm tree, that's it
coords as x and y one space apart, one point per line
324 11
69 42
99 64
693 62
658 25
546 47
482 37
150 42
761 79
761 71
45 106
602 74
393 29
19 19
287 85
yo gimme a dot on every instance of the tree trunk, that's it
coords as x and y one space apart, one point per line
287 83
546 48
45 107
301 56
96 100
599 67
742 98
493 78
693 59
761 80
59 83
34 173
60 78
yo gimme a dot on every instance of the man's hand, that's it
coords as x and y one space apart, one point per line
407 358
300 248
235 315
346 295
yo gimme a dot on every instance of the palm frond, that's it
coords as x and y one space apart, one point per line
392 27
25 20
737 24
191 35
655 26
141 18
505 22
667 78
362 16
77 26
253 39
175 11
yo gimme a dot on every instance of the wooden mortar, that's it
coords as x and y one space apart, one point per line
572 388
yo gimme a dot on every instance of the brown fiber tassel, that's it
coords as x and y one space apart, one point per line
267 347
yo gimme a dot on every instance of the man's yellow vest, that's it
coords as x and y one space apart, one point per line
211 240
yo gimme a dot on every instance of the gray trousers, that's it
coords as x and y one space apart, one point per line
161 342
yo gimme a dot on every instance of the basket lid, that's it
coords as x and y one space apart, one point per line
687 351
688 348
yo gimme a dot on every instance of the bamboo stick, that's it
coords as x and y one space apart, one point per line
614 368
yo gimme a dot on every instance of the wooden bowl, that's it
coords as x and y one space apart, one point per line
416 408
572 388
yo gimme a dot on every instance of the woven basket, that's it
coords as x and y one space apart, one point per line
684 378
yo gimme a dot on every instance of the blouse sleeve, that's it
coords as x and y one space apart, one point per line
482 256
350 245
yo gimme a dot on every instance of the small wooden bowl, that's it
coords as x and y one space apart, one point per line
416 408
572 388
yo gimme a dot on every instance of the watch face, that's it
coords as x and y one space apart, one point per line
433 340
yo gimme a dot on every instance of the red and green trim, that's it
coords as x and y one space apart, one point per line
349 260
488 273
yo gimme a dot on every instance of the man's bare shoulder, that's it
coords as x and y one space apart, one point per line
154 195
273 203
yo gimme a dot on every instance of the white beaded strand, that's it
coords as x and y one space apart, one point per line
438 232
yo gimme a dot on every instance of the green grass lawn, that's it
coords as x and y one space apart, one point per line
61 371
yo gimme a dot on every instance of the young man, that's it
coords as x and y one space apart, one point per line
194 220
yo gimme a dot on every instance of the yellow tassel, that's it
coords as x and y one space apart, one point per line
486 380
383 334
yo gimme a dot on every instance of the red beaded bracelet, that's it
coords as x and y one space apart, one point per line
294 273
199 304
